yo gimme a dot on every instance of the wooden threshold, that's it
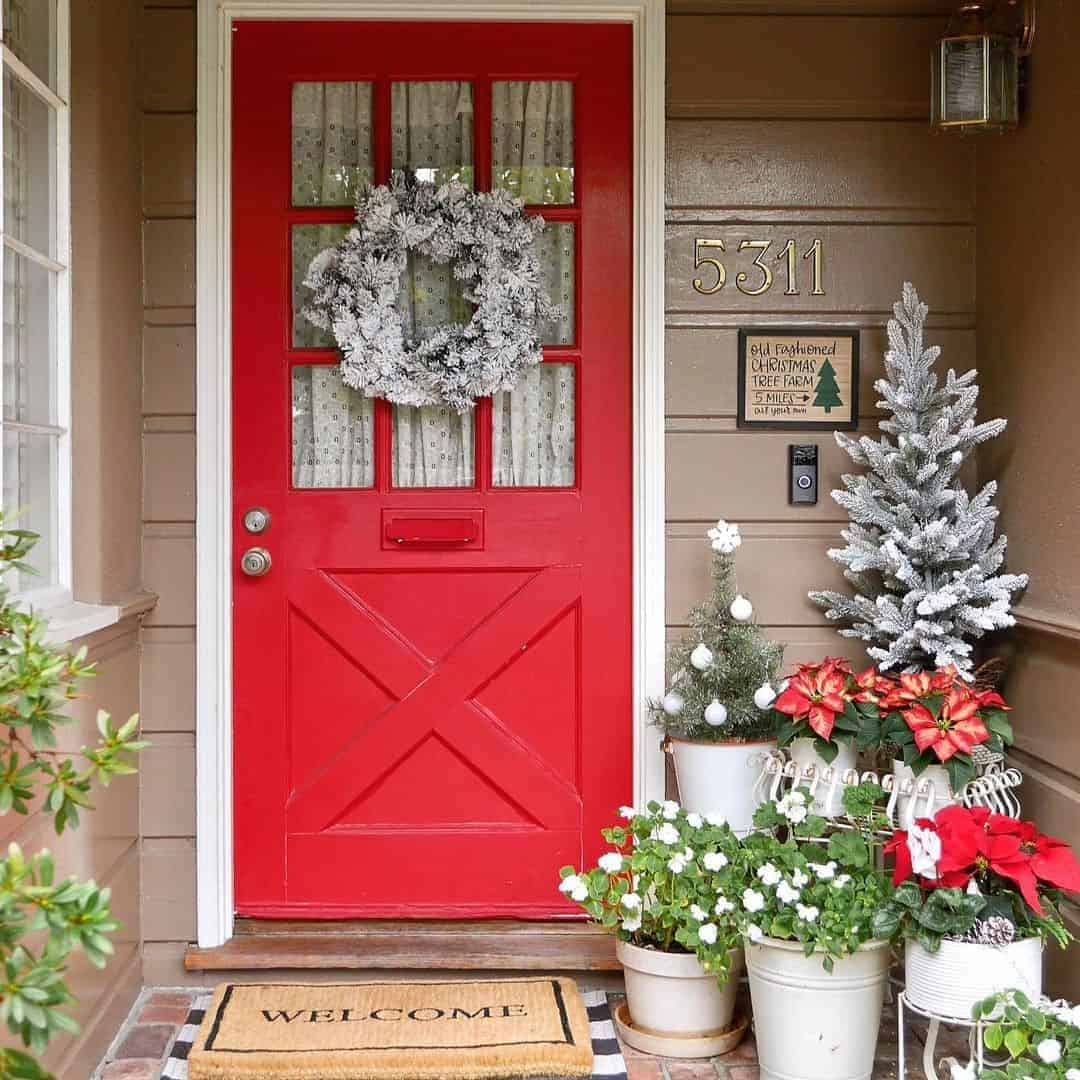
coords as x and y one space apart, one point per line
495 945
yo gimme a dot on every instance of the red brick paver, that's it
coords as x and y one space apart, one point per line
133 1069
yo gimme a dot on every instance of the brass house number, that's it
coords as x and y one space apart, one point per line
761 280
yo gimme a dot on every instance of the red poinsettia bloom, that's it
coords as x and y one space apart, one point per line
817 694
957 728
872 686
963 843
914 686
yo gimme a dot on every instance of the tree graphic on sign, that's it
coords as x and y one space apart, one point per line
827 392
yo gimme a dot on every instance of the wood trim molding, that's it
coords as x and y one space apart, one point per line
214 395
804 109
1045 622
939 9
379 945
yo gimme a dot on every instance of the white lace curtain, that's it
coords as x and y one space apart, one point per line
432 136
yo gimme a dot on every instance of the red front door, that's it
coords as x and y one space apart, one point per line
433 680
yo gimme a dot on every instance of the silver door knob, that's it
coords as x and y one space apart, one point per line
255 562
257 519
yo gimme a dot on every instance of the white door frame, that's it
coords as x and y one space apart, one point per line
214 478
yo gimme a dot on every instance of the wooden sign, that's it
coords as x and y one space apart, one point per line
798 378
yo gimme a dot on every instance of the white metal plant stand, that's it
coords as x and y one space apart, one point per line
994 788
975 1028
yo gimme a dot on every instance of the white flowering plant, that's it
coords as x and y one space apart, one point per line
1041 1038
671 882
811 882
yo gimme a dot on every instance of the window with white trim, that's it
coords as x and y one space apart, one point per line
35 307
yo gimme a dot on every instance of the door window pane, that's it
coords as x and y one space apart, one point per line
29 167
29 341
433 447
432 130
533 430
307 242
532 140
556 251
331 135
333 431
30 489
30 33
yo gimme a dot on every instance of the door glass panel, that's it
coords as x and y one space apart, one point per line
532 140
433 447
333 431
432 131
331 137
556 251
307 242
533 430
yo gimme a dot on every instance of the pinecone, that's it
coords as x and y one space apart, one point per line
996 930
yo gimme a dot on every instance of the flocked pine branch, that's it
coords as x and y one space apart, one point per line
921 552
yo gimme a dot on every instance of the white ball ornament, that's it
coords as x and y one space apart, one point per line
715 714
701 657
741 609
672 703
764 696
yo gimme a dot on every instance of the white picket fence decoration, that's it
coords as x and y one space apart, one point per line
994 788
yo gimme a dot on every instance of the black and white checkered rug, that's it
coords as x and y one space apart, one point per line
608 1061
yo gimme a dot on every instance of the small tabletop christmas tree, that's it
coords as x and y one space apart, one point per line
920 550
725 668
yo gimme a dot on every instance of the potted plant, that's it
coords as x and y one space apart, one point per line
717 712
668 891
933 721
817 966
976 897
818 717
1041 1038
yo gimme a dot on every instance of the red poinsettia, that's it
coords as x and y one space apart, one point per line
872 687
962 843
956 728
816 694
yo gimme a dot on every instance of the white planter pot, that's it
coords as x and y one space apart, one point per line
933 791
720 778
672 994
950 981
810 1024
828 794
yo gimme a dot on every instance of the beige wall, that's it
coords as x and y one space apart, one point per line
1029 263
168 408
106 275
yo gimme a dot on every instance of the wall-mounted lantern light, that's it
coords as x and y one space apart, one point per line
976 66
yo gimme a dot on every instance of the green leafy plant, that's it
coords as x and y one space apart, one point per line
671 882
811 882
1041 1039
42 919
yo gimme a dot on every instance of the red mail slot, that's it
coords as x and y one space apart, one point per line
425 528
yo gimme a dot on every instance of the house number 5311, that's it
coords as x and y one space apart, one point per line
760 281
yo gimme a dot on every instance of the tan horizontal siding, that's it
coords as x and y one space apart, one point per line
169 476
168 678
798 66
168 60
169 570
853 166
168 164
168 887
168 786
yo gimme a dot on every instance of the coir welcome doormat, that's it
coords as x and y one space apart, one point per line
394 1031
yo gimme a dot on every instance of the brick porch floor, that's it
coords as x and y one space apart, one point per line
142 1047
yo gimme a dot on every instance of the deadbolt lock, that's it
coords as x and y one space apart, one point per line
255 562
257 519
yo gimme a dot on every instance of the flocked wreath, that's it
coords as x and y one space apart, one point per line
487 239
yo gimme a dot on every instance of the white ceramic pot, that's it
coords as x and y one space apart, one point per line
828 794
950 981
812 1024
932 792
672 994
720 778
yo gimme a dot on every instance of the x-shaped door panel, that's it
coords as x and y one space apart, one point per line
433 698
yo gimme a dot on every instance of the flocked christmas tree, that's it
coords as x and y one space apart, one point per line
921 552
725 668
